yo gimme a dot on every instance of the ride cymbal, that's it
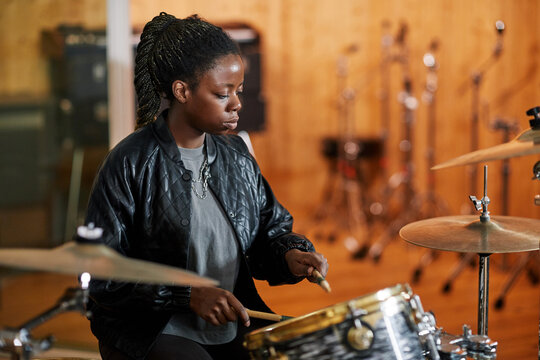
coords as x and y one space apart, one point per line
526 143
466 233
102 262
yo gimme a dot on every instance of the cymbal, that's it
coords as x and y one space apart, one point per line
526 143
102 262
465 233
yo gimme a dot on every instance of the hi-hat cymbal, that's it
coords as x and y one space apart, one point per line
526 143
100 262
466 233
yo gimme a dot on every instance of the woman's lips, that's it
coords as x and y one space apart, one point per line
231 124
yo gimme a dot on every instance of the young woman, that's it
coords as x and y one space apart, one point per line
182 192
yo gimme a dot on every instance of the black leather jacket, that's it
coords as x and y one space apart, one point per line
141 198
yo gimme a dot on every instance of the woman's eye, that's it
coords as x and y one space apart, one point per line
220 96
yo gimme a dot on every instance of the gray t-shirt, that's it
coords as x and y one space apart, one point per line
213 253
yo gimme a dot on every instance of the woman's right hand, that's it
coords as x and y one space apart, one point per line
217 306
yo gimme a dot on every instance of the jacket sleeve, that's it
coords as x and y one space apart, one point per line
111 207
266 256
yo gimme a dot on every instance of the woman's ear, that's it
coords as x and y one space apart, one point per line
180 91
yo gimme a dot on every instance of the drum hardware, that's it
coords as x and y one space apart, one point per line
484 237
19 342
526 143
427 328
478 347
360 336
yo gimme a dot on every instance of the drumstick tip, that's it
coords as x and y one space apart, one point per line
321 281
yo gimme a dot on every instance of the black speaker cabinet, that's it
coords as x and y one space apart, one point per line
28 150
78 74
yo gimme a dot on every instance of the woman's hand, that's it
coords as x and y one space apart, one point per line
303 263
217 306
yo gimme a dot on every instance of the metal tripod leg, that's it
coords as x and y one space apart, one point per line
466 260
356 219
519 266
343 194
434 206
426 259
382 218
375 251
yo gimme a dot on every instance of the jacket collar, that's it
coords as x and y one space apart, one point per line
168 144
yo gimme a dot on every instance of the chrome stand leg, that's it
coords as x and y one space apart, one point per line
483 293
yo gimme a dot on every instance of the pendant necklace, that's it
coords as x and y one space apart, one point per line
204 175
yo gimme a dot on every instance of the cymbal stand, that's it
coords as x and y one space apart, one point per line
346 187
476 78
483 264
524 259
377 210
403 179
434 204
386 60
19 342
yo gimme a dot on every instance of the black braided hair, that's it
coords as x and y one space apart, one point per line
174 49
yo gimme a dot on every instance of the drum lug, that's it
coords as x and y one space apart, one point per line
360 338
274 355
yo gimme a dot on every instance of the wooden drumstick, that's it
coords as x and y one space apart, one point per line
321 281
266 316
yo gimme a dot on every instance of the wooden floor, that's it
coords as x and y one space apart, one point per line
515 327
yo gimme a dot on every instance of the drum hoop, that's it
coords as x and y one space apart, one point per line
324 318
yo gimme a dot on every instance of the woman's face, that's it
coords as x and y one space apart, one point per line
213 106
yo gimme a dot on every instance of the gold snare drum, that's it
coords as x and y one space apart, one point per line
381 325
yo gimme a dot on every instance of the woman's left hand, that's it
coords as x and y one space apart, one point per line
303 263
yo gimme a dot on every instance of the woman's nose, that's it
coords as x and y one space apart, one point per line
236 103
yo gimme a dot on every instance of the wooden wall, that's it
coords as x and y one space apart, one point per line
302 41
